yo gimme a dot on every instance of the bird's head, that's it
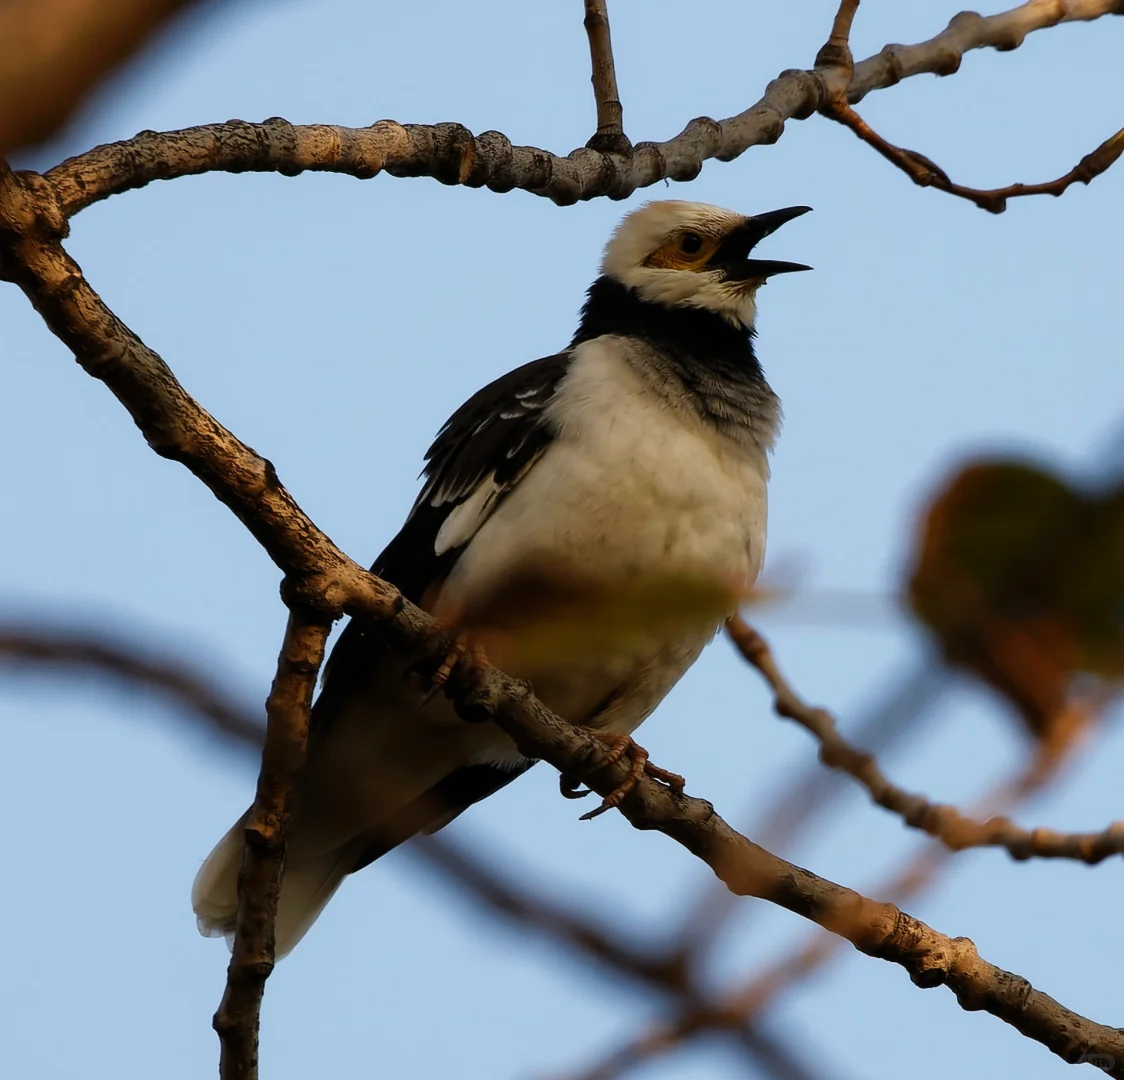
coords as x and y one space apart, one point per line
686 254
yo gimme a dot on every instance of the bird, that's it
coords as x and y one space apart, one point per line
587 522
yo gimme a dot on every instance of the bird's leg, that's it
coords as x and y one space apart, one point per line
622 746
463 654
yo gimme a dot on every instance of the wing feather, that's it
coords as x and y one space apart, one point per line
478 456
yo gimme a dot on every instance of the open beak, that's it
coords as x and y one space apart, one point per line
732 255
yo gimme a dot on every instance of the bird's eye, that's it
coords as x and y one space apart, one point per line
690 243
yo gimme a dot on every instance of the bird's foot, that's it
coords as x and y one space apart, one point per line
620 747
462 657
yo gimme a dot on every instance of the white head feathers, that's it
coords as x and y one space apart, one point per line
687 254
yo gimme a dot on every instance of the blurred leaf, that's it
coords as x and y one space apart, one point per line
1020 577
544 616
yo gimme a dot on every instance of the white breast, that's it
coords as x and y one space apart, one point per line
633 484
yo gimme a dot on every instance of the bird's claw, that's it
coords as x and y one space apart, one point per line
463 656
622 746
571 788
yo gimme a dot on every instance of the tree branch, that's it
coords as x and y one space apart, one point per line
926 173
835 65
609 137
451 154
259 881
939 820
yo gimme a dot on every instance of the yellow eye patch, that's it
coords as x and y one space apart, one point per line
686 250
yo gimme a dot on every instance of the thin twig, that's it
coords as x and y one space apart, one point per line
835 66
926 173
609 137
946 823
259 882
836 51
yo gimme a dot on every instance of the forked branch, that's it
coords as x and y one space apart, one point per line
836 68
947 824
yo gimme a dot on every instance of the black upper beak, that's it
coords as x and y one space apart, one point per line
733 253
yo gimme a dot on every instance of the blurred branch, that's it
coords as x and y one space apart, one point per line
648 965
836 66
56 51
610 136
451 154
321 578
259 881
194 690
613 949
946 823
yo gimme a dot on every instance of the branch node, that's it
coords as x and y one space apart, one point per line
609 137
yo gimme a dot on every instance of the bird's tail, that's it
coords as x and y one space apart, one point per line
312 874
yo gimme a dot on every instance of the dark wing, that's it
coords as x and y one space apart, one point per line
479 455
477 458
434 810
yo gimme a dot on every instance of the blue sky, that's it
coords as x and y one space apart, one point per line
334 324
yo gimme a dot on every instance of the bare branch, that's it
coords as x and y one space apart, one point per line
939 820
836 51
259 882
453 155
836 67
942 55
925 173
192 689
56 51
611 948
322 577
609 137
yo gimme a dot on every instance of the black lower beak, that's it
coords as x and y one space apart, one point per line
733 253
765 268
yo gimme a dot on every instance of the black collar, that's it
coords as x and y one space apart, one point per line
686 334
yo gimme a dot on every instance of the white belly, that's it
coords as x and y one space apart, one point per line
632 486
633 491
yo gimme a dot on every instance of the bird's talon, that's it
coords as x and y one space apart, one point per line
620 747
463 657
571 788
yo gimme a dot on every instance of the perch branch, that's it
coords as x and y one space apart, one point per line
946 823
451 154
259 881
610 136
